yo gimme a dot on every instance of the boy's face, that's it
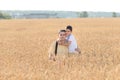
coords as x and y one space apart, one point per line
68 32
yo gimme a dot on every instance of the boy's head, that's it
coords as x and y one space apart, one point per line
68 30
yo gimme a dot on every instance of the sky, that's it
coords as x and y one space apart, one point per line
62 5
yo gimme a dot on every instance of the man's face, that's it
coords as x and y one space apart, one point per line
62 35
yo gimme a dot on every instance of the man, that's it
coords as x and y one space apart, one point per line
59 49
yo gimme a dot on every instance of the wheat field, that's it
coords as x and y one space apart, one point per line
24 45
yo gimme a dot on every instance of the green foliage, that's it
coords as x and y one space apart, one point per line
83 14
114 14
4 16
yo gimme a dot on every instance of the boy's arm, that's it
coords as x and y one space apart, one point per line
68 43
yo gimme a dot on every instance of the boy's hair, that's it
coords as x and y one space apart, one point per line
69 27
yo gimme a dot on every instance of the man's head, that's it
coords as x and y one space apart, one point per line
62 34
68 30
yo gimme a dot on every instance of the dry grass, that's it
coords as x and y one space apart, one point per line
24 45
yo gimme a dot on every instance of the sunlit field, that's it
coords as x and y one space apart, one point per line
24 45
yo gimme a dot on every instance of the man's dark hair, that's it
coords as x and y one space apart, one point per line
69 27
62 31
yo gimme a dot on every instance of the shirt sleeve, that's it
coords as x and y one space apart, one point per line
71 38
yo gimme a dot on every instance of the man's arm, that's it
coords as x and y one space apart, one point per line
51 52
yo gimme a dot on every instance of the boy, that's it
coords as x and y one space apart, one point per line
73 47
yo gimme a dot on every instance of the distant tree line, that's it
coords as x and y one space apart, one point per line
84 14
4 16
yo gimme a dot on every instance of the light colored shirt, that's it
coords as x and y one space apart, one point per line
61 50
73 44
